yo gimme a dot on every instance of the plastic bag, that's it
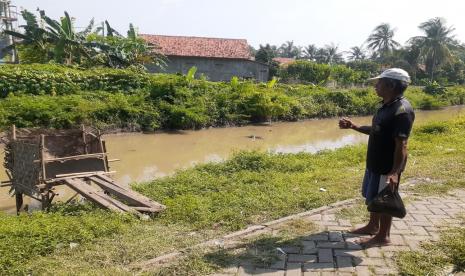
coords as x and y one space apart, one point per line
388 202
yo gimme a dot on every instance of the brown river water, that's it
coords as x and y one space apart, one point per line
149 156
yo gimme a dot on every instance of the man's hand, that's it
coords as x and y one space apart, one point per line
345 123
393 180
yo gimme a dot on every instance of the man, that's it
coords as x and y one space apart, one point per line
387 148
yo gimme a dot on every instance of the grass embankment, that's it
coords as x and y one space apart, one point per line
211 199
436 258
61 97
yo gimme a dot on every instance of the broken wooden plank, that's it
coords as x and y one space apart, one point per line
73 157
91 193
139 196
125 194
77 175
146 209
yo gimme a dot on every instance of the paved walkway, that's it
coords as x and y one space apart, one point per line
332 251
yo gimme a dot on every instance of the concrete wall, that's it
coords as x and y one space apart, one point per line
215 69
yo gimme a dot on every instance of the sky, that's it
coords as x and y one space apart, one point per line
344 23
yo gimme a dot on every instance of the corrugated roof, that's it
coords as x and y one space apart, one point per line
200 46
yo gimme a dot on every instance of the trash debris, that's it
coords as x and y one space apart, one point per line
281 251
73 245
323 190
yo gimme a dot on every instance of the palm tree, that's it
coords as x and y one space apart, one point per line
436 45
333 54
289 50
381 40
310 52
357 53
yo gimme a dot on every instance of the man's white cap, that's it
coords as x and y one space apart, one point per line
394 73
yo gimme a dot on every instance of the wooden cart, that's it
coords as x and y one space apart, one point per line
38 160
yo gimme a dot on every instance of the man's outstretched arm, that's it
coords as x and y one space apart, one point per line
345 123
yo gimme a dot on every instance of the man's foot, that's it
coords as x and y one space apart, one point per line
375 241
365 230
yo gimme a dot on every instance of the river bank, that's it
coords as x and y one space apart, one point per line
210 199
145 157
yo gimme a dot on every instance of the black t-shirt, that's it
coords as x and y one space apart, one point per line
392 120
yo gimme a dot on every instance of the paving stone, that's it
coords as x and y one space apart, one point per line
318 267
372 262
394 248
421 223
309 251
420 212
363 271
397 240
419 230
400 225
328 244
294 269
384 271
325 255
419 217
269 272
338 228
299 258
312 273
353 245
317 237
344 262
335 236
437 211
374 252
291 249
349 253
401 232
308 244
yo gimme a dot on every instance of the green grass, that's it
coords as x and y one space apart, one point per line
212 199
435 257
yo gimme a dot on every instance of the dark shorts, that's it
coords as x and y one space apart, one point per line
373 183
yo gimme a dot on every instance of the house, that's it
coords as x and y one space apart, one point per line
219 59
284 61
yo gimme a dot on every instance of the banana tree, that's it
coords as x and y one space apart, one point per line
69 45
33 37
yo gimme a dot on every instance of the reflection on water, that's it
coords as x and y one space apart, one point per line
148 156
321 145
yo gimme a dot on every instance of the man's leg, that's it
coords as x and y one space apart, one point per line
371 228
382 238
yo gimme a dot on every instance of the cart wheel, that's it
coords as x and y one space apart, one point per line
19 202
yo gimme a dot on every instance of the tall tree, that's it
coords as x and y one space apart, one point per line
33 40
289 50
357 53
333 54
266 53
68 44
436 45
381 40
310 52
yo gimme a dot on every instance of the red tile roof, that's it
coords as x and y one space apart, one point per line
284 61
200 46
